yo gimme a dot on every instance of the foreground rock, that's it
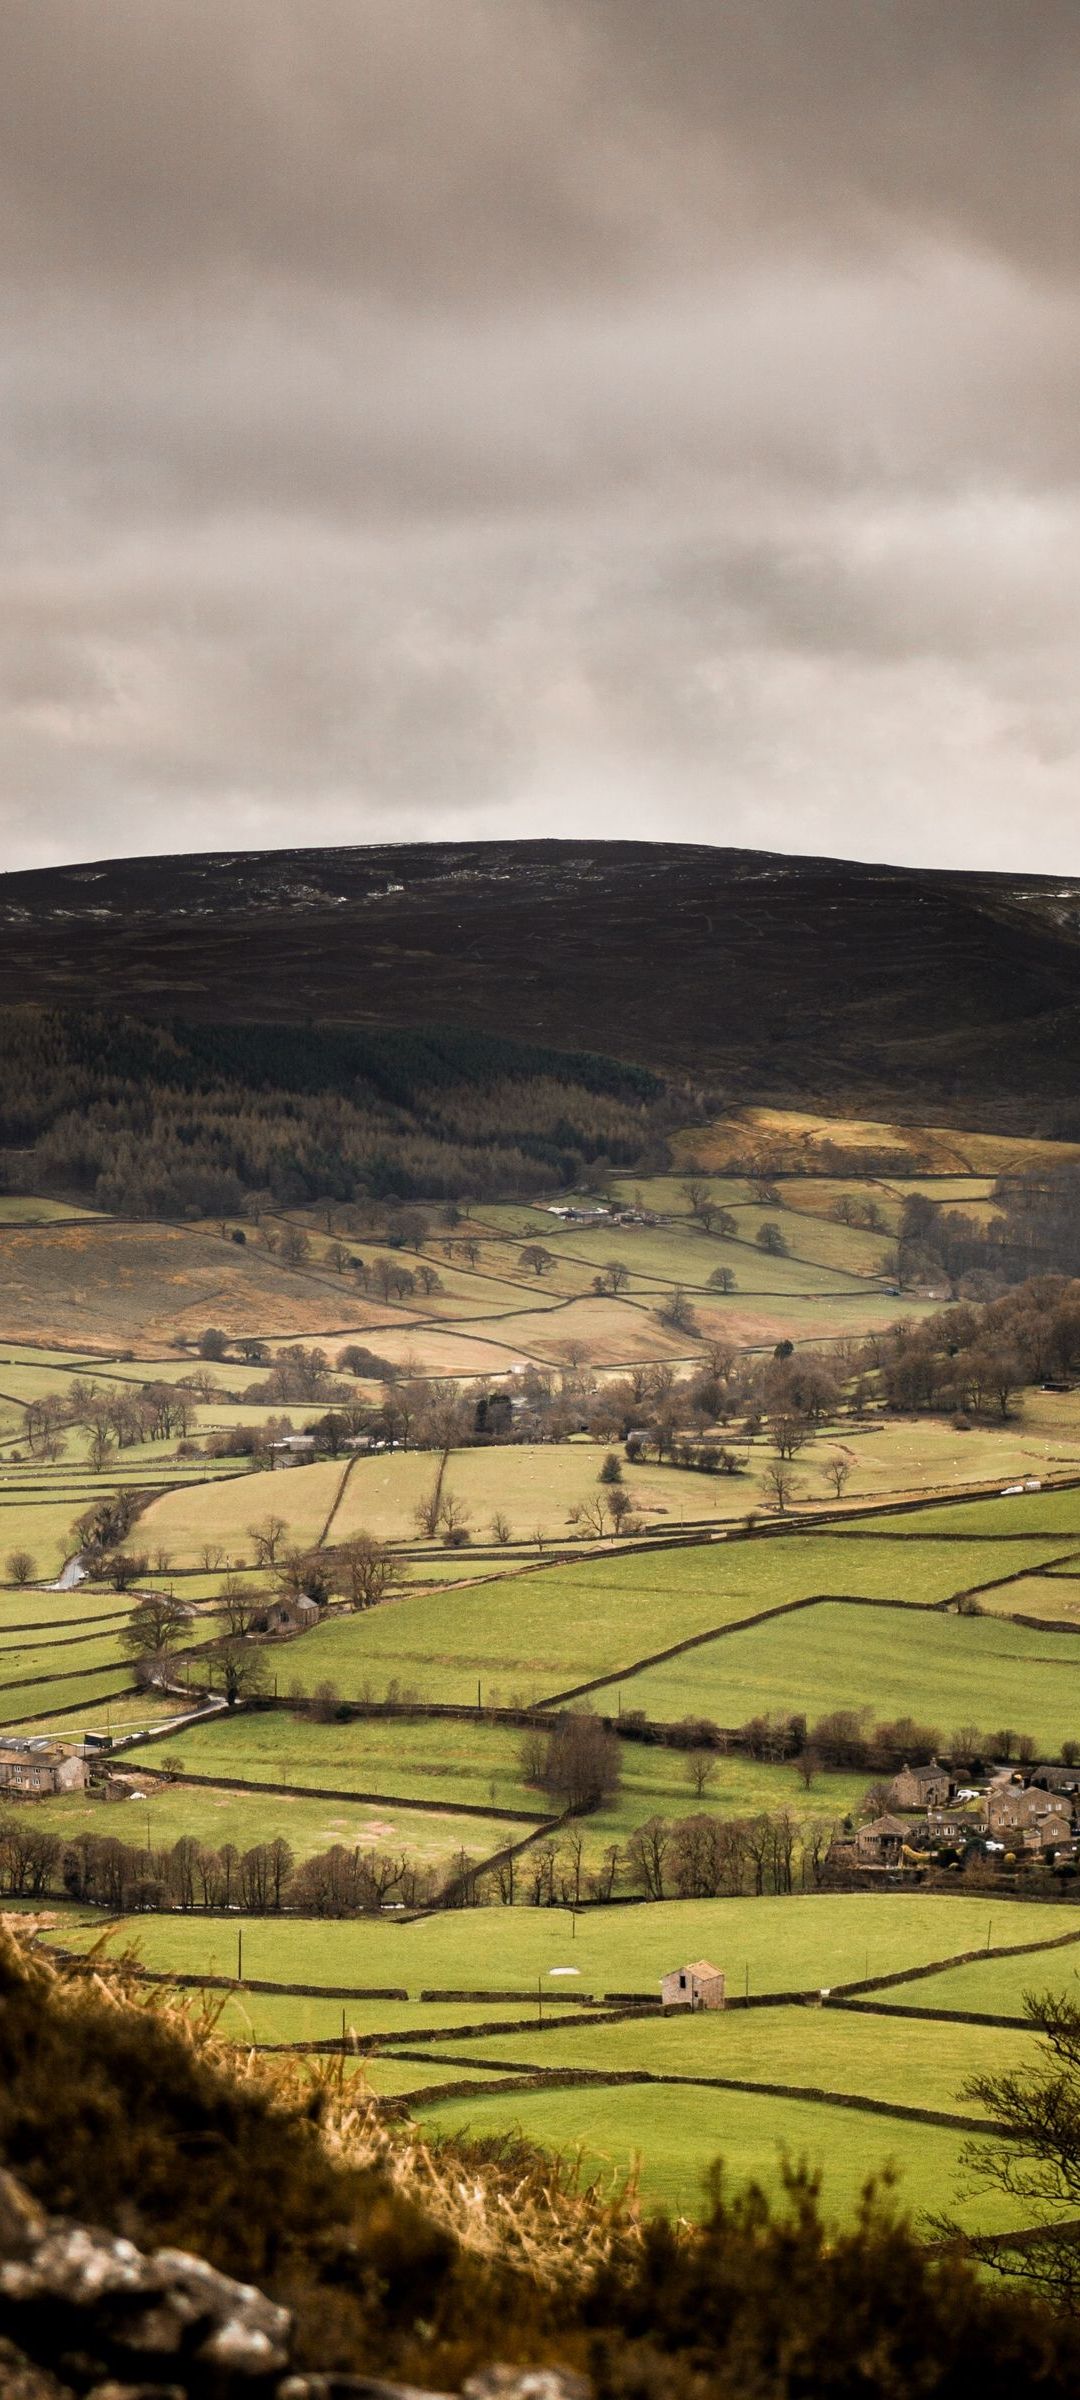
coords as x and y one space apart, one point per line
83 2312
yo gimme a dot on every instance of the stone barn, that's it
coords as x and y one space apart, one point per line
698 1986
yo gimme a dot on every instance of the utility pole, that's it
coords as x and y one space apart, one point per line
239 1954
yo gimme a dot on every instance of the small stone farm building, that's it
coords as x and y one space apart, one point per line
293 1614
35 1766
293 1450
698 1986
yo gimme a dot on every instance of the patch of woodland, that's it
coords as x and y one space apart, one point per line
153 1121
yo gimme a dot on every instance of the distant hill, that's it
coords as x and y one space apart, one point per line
944 995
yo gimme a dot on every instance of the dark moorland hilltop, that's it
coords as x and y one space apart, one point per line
946 995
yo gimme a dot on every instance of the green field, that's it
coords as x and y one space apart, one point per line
25 1208
272 2017
1053 1598
992 1986
86 1695
43 1527
773 1945
443 1763
126 1712
26 1655
1028 1513
66 1612
900 2060
943 1670
673 2137
503 1622
547 1631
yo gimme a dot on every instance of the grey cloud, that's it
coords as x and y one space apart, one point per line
450 415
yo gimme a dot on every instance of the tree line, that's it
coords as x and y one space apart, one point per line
190 1876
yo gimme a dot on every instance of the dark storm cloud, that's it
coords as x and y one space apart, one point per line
558 415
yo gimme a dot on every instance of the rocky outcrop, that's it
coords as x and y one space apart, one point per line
85 2315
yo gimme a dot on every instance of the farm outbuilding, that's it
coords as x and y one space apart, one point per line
295 1613
698 1986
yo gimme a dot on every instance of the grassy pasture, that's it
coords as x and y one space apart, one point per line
264 2017
785 1140
943 1670
751 1319
825 2048
662 1255
815 1196
546 1631
903 1456
510 1220
182 1522
534 1485
614 1333
26 1208
123 1712
673 2137
840 1251
65 1612
388 2077
440 1763
30 1653
495 1286
773 1945
1032 1514
490 1346
41 1526
948 1191
993 1986
87 1695
135 1285
666 1195
1053 1598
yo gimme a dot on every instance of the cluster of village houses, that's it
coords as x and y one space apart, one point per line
1008 1809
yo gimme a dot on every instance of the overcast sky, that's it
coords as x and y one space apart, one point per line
451 418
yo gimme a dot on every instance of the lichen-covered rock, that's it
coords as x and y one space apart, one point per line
93 2306
85 2315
